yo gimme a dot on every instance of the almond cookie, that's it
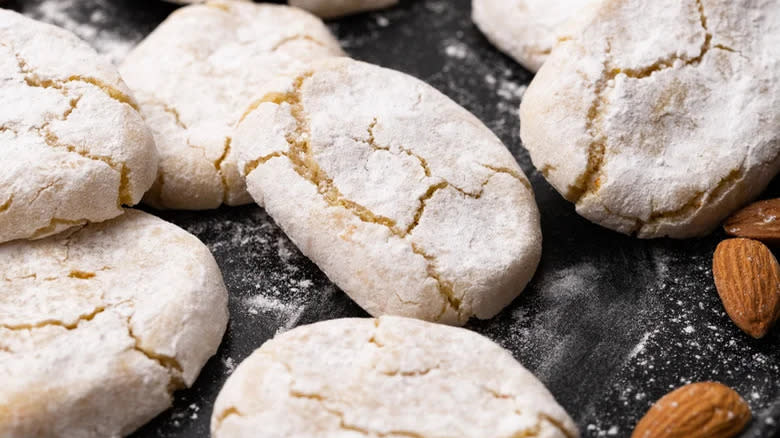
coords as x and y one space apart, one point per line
403 198
393 377
526 30
99 325
659 118
337 8
195 74
73 147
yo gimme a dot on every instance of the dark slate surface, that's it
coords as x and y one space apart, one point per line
609 323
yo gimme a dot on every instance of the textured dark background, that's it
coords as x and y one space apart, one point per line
609 323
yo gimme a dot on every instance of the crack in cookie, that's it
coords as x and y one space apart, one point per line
171 364
324 403
32 80
53 223
303 162
589 182
53 322
218 166
7 204
300 155
76 90
124 196
294 38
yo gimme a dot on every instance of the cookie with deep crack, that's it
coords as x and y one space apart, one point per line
393 377
99 325
403 198
658 118
192 99
526 30
73 147
338 8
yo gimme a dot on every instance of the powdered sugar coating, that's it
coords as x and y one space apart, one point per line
660 118
98 326
74 147
193 98
405 200
385 377
526 30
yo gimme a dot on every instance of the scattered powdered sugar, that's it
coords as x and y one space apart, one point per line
229 364
89 22
509 90
382 21
189 412
504 87
437 7
285 249
277 291
559 287
289 313
640 346
457 50
692 340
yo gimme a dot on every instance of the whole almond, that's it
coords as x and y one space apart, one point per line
747 276
759 220
698 410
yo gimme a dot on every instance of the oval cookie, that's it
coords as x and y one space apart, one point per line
338 8
403 198
526 30
73 147
660 118
215 56
391 376
98 326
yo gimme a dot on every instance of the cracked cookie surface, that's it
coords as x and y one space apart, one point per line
195 74
73 147
386 377
100 324
660 118
526 30
338 8
404 199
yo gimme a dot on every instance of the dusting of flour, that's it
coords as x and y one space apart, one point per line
89 20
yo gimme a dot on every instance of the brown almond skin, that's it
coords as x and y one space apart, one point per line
698 410
747 277
759 220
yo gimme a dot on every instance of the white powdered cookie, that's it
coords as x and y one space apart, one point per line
195 74
338 8
386 377
660 117
99 325
403 198
73 148
526 30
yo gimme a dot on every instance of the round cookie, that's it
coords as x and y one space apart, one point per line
73 147
403 198
393 377
193 98
99 325
526 30
338 8
659 118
